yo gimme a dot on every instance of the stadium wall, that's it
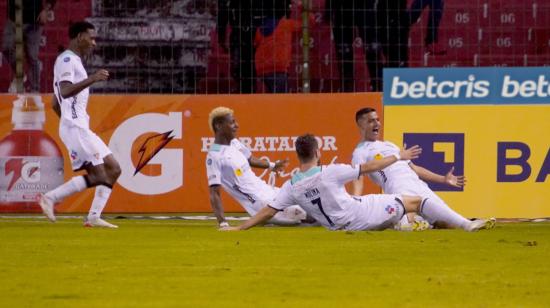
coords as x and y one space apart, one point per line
491 124
161 143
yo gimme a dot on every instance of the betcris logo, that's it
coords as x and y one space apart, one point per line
440 153
487 85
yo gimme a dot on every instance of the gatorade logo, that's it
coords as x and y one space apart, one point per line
27 171
440 152
153 151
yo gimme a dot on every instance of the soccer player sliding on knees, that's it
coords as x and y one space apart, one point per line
228 165
404 177
321 192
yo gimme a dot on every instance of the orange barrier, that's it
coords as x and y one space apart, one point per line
161 141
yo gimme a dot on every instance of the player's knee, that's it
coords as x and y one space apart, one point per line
92 180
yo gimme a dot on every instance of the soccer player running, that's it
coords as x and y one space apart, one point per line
404 177
87 151
321 192
228 164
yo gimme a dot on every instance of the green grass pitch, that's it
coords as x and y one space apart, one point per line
151 263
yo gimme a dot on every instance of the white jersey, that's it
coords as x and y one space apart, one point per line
227 165
68 67
390 177
397 178
320 191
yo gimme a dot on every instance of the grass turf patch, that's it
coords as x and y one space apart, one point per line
176 263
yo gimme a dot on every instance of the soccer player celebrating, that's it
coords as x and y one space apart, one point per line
404 177
321 192
228 164
87 151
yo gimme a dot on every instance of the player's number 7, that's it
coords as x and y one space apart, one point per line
320 205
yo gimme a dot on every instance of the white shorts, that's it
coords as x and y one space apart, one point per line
418 188
84 146
376 212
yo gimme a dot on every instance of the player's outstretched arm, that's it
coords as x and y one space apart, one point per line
404 154
216 203
262 216
68 89
449 178
276 166
357 186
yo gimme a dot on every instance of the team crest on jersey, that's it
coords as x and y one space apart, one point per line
66 59
209 161
378 156
238 172
390 209
74 155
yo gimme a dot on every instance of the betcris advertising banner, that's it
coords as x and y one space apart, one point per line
161 142
490 124
468 86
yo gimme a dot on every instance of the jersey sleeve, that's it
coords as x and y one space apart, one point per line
241 147
213 170
284 198
342 173
64 69
358 157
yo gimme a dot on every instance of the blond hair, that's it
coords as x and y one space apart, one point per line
216 113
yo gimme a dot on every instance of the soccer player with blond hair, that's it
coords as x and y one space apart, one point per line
228 164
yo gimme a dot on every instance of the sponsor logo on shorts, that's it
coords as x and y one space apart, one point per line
66 74
440 152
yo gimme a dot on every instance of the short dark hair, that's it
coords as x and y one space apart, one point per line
79 27
363 111
306 145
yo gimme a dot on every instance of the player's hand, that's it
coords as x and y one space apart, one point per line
280 165
229 228
453 180
100 75
410 153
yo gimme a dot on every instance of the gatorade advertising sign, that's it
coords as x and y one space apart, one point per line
30 160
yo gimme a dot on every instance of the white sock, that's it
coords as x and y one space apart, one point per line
434 210
102 194
74 185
